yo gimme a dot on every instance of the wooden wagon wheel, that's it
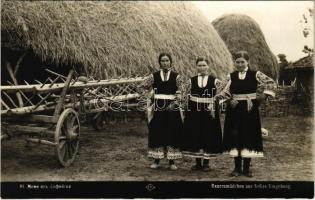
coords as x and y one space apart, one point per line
67 135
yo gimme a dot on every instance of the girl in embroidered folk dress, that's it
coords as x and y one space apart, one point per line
242 128
166 124
202 131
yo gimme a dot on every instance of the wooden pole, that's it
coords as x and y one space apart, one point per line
17 66
41 101
10 99
60 86
39 141
5 105
63 94
25 97
54 73
12 75
30 109
54 81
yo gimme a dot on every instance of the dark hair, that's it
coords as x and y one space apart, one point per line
165 54
199 59
241 54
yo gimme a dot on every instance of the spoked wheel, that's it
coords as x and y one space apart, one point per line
99 121
67 136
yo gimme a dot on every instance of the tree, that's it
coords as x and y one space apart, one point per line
308 50
308 29
283 59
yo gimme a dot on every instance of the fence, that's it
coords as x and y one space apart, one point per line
281 105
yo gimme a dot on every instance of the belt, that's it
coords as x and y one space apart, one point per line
201 100
164 96
246 97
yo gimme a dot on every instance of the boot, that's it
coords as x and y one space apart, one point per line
238 166
198 165
246 171
205 166
156 164
172 165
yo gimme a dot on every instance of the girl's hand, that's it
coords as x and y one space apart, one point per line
217 97
173 106
269 98
261 97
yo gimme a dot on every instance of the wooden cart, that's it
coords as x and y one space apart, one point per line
49 113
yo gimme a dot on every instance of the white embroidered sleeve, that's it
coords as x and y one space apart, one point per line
185 91
219 85
225 92
179 83
266 83
179 92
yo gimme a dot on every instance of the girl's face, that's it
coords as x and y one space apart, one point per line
241 64
165 63
202 67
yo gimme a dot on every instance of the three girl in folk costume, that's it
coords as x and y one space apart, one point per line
165 126
242 127
202 137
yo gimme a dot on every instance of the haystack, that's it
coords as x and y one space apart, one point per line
113 38
241 32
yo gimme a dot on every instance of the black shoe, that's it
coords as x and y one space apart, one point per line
249 174
206 168
196 168
235 173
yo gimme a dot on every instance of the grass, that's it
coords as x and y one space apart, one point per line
118 153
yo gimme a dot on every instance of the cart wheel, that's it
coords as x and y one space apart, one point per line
99 121
67 135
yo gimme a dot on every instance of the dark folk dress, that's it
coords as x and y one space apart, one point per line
242 128
166 125
202 132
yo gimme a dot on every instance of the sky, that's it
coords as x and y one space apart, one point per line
278 20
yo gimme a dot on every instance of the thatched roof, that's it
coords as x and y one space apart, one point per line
240 32
114 38
305 63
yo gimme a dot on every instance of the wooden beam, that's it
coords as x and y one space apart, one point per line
37 81
10 99
5 105
12 75
60 86
42 100
54 81
28 129
63 94
17 66
25 97
39 141
30 118
30 109
54 73
42 118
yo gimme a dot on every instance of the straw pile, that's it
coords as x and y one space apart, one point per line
241 32
114 38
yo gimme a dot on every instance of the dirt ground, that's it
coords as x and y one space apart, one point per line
118 153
